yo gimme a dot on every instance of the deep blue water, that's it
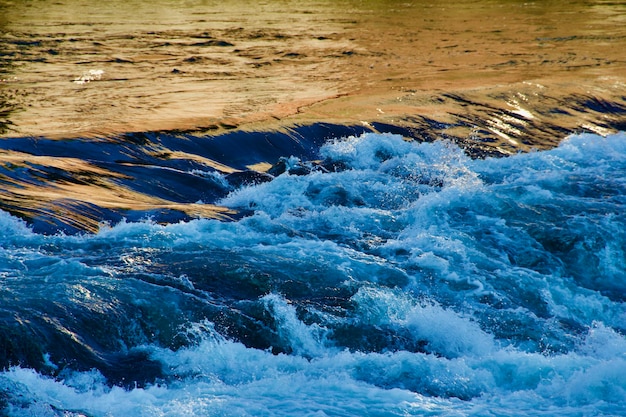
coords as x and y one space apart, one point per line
390 278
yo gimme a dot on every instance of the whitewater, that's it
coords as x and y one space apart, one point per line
385 277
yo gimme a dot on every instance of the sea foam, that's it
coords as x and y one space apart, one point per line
410 280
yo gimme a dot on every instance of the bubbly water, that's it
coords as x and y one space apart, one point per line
394 278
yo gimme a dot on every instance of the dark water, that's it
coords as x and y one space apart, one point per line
433 222
396 278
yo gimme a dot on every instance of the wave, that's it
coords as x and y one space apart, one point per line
371 276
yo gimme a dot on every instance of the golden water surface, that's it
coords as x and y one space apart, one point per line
497 76
79 68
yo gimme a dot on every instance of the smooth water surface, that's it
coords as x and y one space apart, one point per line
74 68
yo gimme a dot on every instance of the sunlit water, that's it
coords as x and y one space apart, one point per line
500 71
312 208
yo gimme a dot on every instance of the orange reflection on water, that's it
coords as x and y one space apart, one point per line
63 199
206 64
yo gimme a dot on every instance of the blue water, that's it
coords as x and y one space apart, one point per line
395 278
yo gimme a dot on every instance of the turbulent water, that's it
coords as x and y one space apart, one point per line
312 208
371 276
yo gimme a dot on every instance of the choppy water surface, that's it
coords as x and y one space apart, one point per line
312 208
407 280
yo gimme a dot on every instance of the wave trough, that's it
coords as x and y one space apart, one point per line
389 277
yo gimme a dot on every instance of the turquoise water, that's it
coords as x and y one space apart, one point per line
312 208
390 277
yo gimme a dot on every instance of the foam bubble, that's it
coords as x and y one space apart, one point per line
89 76
412 281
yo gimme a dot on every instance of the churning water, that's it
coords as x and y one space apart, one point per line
389 277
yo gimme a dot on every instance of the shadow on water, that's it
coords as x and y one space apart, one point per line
164 176
496 77
76 185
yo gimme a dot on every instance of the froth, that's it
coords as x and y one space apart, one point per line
411 280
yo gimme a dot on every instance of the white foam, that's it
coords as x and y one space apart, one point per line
304 340
226 378
446 332
447 265
89 76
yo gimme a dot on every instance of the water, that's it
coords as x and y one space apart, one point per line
515 75
312 208
393 278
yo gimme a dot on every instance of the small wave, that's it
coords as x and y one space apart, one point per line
402 277
89 76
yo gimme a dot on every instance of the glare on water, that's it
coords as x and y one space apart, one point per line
79 68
